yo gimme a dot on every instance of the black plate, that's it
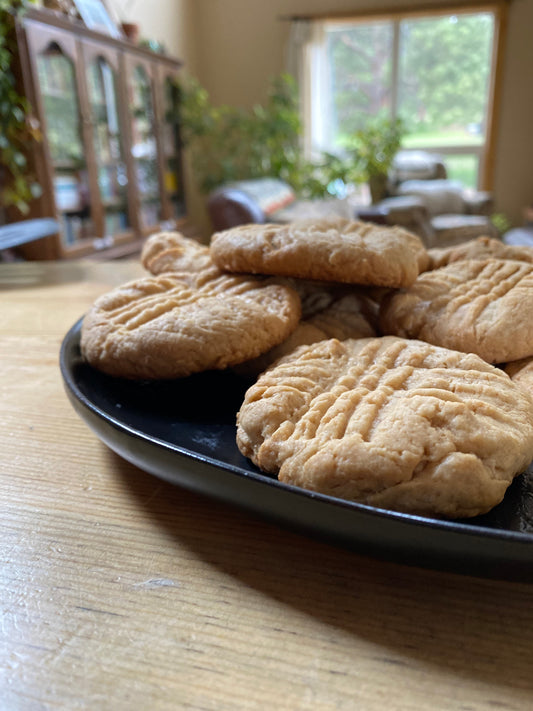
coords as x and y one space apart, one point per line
184 431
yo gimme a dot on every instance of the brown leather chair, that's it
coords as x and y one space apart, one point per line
228 207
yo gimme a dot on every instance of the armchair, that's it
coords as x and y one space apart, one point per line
441 211
268 200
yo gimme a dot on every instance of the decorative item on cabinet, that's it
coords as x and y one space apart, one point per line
67 7
131 30
109 164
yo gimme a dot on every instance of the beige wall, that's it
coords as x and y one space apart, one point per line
234 47
167 21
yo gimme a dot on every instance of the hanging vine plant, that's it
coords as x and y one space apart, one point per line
18 127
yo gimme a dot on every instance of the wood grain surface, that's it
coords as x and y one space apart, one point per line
119 591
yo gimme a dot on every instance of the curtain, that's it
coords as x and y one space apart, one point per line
304 62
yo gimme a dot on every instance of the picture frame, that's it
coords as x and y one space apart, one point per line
96 17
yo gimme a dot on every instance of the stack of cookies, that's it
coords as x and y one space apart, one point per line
379 366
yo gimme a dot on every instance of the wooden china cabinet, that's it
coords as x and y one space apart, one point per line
109 164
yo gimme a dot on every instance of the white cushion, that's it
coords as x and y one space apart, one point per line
438 196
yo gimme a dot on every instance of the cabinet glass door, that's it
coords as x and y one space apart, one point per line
60 101
171 149
144 147
110 165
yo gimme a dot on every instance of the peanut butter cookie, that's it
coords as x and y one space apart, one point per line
479 248
329 250
391 423
167 327
173 252
326 313
483 307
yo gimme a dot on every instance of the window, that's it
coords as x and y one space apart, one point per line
434 70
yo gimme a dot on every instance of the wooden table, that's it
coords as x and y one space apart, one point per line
120 591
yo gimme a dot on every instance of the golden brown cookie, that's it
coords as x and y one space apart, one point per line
521 373
165 327
339 303
326 313
172 252
344 318
479 248
392 423
483 307
329 250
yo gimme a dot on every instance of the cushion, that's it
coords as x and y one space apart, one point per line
417 165
438 196
519 236
271 194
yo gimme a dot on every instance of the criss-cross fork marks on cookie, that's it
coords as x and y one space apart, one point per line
162 327
483 307
390 422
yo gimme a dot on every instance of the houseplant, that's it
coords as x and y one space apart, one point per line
17 129
231 143
373 149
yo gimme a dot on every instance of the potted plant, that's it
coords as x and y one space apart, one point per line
373 149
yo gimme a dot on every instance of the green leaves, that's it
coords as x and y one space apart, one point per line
443 63
375 145
16 131
229 143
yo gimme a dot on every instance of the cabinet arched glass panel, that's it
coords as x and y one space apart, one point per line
144 148
110 165
60 100
171 149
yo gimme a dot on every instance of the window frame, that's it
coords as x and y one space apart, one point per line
498 9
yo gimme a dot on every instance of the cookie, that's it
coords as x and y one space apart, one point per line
345 317
521 373
326 313
479 248
166 327
339 302
391 423
173 252
329 250
483 307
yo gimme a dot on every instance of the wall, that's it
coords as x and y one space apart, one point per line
234 47
167 21
513 177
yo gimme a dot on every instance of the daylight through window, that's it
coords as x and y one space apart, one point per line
435 71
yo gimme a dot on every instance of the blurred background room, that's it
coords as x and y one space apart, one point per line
130 117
